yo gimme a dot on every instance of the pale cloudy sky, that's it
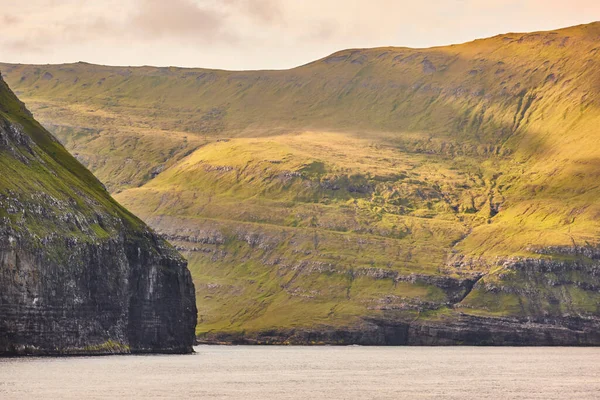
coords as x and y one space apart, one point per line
258 34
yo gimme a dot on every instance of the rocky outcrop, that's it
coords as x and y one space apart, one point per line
459 330
78 273
118 296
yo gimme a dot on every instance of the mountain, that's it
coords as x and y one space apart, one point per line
78 273
376 196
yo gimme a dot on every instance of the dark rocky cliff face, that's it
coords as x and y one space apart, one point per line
78 273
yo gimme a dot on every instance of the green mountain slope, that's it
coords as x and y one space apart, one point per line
436 190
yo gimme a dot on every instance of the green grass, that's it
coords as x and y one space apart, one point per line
107 347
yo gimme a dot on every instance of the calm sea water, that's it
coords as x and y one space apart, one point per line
244 372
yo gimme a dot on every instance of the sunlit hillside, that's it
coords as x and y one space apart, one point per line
370 187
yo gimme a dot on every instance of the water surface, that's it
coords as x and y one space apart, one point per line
245 372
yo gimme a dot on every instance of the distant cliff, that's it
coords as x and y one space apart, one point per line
78 273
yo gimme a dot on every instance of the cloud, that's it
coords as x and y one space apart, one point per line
179 18
270 11
207 21
9 20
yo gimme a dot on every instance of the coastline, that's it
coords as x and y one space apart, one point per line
466 330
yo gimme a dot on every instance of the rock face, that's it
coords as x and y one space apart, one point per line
78 273
456 330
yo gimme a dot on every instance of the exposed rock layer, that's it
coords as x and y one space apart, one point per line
464 330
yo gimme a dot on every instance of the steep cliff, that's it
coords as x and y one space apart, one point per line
78 273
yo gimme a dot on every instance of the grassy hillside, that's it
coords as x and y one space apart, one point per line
371 183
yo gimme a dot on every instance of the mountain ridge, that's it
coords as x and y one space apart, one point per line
590 25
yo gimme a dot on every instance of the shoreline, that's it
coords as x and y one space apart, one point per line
465 330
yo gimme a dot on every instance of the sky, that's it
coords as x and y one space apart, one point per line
258 34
